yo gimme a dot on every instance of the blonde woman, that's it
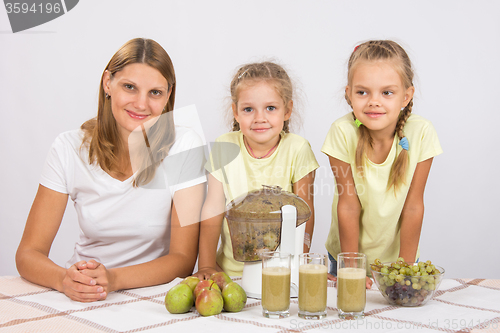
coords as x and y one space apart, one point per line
137 228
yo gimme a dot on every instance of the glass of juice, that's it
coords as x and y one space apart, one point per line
313 268
276 269
351 285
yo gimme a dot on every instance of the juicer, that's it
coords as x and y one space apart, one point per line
268 219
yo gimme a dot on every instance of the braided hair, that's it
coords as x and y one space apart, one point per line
384 50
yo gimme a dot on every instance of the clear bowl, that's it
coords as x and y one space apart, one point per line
407 290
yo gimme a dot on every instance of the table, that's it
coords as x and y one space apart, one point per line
460 305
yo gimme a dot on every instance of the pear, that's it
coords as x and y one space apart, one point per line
205 284
209 302
179 299
221 279
234 297
191 281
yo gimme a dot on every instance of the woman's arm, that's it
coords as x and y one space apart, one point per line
413 212
210 228
180 260
348 208
32 254
304 188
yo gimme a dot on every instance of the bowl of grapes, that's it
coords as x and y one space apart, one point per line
407 284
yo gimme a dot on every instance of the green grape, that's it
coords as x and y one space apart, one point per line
419 281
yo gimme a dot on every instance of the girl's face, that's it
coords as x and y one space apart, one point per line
138 93
261 112
377 95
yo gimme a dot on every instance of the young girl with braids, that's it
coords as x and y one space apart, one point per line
380 155
260 150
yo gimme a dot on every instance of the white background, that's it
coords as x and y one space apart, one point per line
49 77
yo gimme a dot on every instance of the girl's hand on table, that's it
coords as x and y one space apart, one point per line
79 287
205 273
369 283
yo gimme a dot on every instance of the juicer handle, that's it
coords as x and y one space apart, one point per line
288 224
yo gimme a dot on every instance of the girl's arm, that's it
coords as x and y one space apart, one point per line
180 260
348 208
413 212
304 188
32 254
212 216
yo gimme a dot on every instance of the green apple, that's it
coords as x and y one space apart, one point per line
191 281
179 299
209 302
221 279
234 297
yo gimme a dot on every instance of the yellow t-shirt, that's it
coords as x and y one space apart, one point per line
380 208
239 173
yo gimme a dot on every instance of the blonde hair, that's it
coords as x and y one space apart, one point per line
390 51
263 71
101 133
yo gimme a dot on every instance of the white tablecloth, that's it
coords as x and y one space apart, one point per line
460 305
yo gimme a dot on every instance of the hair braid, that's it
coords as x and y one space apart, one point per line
397 176
364 144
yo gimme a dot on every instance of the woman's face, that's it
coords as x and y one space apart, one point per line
138 93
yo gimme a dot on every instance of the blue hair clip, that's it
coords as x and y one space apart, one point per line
404 143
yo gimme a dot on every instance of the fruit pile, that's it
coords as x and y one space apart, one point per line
407 284
209 296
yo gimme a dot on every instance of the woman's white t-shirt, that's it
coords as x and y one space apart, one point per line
122 225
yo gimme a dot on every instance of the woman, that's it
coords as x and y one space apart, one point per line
136 226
